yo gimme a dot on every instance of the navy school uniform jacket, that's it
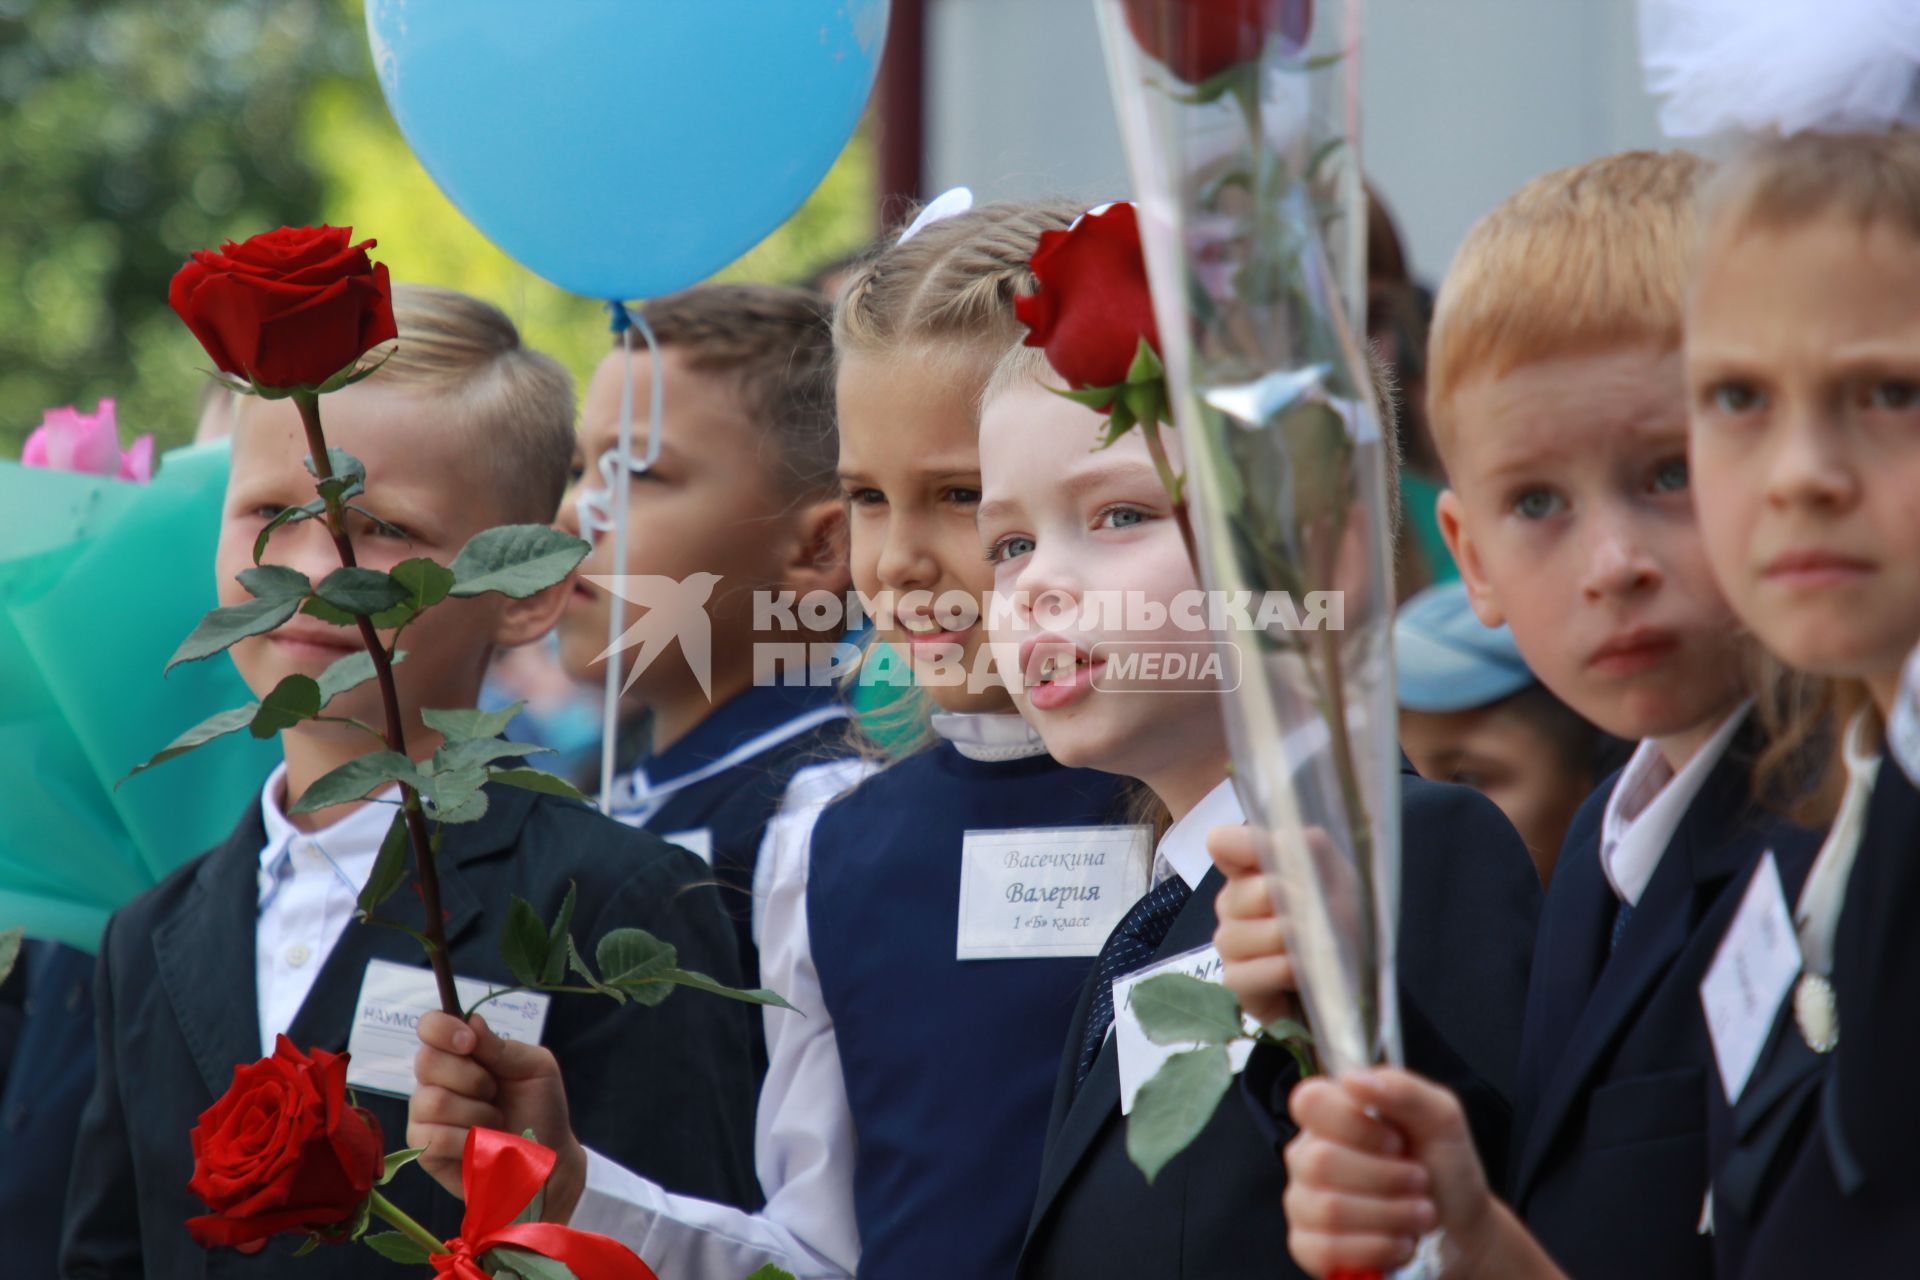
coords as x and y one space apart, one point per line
714 790
949 1064
665 1090
1611 1163
44 1081
1469 898
1817 1167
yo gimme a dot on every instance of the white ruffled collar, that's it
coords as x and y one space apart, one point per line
989 736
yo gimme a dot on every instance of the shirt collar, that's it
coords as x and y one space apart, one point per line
989 736
733 724
1903 727
1647 805
1183 849
352 841
1817 914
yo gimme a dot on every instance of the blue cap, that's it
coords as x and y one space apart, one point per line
1447 659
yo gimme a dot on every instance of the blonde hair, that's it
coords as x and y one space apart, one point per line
1781 184
947 293
945 297
516 402
1577 260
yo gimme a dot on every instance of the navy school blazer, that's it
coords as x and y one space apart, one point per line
1611 1167
1469 898
44 1082
665 1091
1817 1167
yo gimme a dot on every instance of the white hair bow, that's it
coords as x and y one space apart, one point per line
944 205
1786 65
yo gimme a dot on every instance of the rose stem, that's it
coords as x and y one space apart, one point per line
1175 486
429 875
391 1214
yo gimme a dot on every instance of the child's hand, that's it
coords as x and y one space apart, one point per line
1382 1158
1251 942
469 1077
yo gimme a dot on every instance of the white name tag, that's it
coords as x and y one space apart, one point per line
392 999
697 841
1140 1057
1032 892
1751 974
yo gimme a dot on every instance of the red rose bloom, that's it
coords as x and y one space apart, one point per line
289 308
1093 305
1198 39
282 1151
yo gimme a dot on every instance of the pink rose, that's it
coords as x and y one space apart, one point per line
68 440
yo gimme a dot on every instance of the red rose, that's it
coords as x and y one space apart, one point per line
289 308
282 1151
1093 306
1198 39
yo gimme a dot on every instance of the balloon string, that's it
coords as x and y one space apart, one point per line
624 322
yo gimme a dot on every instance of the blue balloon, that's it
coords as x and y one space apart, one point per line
627 148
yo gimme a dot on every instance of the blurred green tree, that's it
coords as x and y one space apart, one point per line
132 132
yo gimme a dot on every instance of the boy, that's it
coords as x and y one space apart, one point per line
744 494
1472 712
1557 402
462 429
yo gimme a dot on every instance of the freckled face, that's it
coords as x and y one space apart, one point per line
1572 521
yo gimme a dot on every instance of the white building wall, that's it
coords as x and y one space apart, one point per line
1463 100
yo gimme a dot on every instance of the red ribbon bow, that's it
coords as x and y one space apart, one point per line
502 1174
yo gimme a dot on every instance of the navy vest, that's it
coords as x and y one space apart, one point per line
949 1064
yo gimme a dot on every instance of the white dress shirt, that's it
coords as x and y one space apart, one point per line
309 887
804 1140
1647 805
1183 849
1816 917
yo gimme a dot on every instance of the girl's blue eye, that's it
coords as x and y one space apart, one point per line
1537 504
1011 547
1894 396
1122 518
1735 397
1670 476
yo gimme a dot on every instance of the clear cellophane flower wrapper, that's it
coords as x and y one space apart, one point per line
1240 132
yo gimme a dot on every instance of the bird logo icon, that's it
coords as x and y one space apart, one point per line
670 609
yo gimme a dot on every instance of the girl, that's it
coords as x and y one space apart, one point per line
1059 521
934 924
1803 368
1803 360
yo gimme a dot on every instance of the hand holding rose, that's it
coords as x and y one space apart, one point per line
470 1078
1251 939
1382 1158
